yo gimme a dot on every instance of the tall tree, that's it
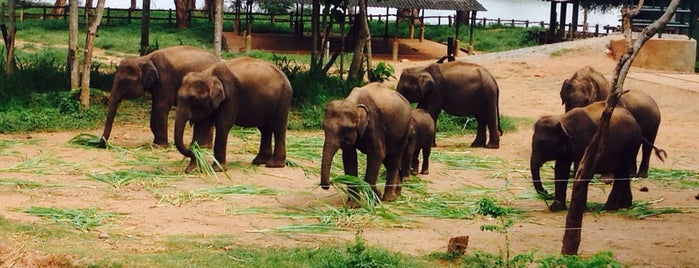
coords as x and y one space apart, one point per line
87 58
362 47
8 35
145 28
133 4
571 237
73 62
218 27
181 14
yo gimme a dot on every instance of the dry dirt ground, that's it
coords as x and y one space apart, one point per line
529 82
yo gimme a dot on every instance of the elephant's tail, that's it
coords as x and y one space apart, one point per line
660 153
497 106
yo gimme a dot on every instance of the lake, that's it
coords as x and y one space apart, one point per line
532 10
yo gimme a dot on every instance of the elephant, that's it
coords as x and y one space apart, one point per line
374 120
458 88
160 73
422 131
563 138
584 87
242 91
587 86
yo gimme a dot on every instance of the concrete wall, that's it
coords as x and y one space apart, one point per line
661 54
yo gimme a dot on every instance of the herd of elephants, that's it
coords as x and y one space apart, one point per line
213 94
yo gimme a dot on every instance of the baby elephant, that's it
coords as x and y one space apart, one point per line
421 135
245 92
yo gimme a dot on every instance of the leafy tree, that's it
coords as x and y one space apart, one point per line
274 7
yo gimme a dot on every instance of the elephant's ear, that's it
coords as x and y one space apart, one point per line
425 82
563 128
216 92
594 89
564 90
362 119
149 74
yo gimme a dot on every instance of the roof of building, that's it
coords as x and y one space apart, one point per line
466 5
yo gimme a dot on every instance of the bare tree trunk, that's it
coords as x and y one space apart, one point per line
315 32
133 5
571 237
73 62
182 16
363 36
87 58
9 36
145 28
58 8
218 27
207 7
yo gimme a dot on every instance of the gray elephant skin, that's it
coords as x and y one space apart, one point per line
422 131
374 120
563 138
458 88
242 91
587 86
159 73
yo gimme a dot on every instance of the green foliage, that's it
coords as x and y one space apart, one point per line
488 207
453 124
382 72
482 259
600 259
83 219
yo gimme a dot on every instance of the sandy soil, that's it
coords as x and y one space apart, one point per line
529 82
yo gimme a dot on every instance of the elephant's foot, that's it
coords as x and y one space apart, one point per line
557 206
276 163
218 168
493 145
389 195
413 172
261 159
611 206
425 171
161 145
642 174
478 144
191 167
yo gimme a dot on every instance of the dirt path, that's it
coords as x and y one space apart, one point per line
529 81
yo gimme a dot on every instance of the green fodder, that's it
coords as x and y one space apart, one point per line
82 219
600 259
452 124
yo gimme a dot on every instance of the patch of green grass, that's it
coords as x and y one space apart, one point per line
599 259
643 209
86 219
561 52
21 184
121 178
452 124
182 197
464 160
437 205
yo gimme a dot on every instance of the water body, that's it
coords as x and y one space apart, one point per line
532 10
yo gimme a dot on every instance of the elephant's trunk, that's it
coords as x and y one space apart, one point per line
180 122
535 165
114 101
329 151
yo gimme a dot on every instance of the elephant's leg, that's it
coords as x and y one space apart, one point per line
414 162
349 163
203 133
158 120
264 154
393 185
480 133
220 144
646 150
373 164
279 155
493 133
426 151
561 175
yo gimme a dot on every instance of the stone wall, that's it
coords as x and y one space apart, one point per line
667 53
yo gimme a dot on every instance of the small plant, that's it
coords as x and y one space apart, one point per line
600 259
487 207
382 72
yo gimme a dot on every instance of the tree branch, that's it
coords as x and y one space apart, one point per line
571 237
